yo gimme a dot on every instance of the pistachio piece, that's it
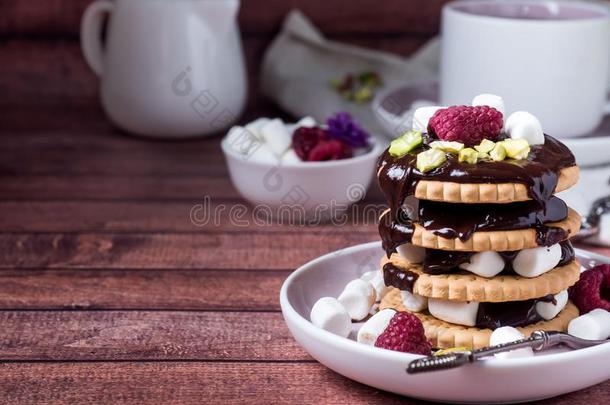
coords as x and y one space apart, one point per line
498 153
485 146
405 143
430 159
483 156
468 155
516 148
448 146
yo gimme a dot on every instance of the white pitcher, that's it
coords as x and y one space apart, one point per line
169 68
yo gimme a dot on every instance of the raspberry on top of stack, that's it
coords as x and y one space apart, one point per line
474 236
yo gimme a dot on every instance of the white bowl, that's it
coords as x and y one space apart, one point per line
492 381
317 190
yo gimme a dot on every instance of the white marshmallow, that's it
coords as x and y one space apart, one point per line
370 331
291 157
484 264
460 313
536 261
263 154
491 100
422 115
358 297
548 310
256 126
507 334
277 136
413 302
376 279
523 125
594 325
412 253
307 122
328 314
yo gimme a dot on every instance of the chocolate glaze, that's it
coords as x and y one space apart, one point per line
493 315
445 262
394 276
462 220
539 172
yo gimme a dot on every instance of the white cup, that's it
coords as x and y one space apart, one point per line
546 57
168 68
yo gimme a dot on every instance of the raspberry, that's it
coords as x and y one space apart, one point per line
466 124
405 333
592 290
304 139
330 150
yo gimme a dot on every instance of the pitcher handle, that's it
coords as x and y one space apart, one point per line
91 34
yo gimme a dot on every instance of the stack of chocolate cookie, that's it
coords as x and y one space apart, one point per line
477 240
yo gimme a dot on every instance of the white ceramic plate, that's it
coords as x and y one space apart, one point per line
391 104
492 381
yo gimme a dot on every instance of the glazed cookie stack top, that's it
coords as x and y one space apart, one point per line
475 237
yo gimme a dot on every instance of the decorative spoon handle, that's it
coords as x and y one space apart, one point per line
538 341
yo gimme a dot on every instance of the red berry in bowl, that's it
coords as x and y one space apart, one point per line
405 333
304 139
330 150
466 124
592 290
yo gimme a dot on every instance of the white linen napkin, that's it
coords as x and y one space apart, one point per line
300 63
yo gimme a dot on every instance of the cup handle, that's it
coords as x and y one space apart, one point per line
91 34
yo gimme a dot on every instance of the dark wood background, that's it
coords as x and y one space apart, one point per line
108 293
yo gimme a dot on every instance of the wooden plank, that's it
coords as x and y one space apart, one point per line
54 71
207 214
146 335
266 251
196 383
236 290
148 161
90 187
62 17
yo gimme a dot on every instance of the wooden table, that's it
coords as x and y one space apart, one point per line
108 291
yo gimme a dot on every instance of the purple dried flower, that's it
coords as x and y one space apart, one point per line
342 127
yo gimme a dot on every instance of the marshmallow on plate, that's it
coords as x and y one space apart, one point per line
490 100
422 115
328 314
549 310
376 279
357 298
413 302
484 264
536 261
523 125
594 325
507 334
411 253
277 136
460 313
370 331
